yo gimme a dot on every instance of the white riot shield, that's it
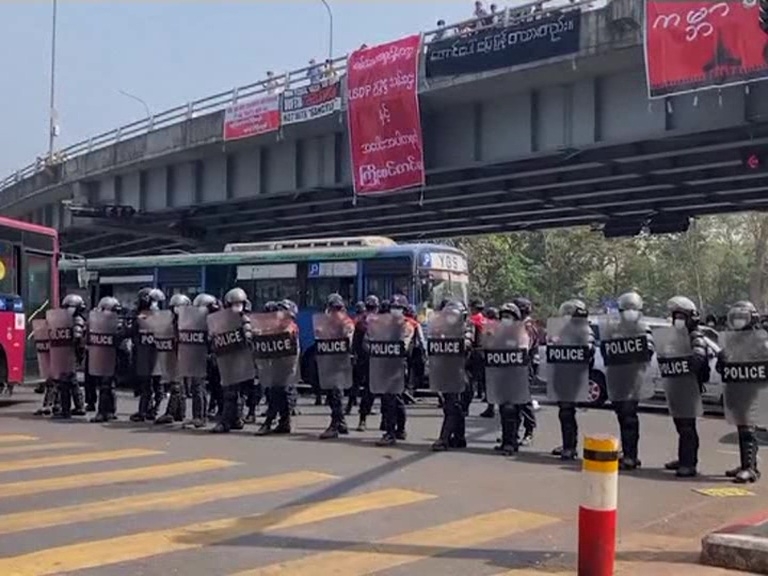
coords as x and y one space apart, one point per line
333 338
447 352
675 358
388 339
63 359
568 357
507 357
233 355
42 346
745 376
276 349
626 353
145 353
164 332
102 343
193 342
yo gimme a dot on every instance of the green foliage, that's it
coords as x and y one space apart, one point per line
718 261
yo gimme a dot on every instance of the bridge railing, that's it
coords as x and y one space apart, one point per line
293 79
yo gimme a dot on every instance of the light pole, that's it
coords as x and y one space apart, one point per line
139 100
330 31
52 128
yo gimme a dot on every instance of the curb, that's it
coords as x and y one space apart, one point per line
732 547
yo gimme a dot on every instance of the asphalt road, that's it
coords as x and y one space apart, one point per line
127 499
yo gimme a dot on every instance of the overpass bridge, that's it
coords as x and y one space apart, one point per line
568 140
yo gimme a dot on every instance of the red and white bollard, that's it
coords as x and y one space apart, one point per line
597 512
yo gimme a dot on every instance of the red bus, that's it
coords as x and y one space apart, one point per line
29 285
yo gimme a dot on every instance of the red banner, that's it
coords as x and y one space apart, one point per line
252 117
699 44
383 115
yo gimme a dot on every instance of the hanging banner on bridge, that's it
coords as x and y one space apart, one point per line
252 117
702 44
383 116
310 102
548 36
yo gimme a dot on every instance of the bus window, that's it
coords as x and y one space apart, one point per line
376 285
439 286
318 290
38 295
7 268
274 290
402 285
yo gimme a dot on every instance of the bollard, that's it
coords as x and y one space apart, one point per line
597 512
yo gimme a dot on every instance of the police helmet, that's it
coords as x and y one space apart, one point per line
156 295
742 315
492 313
359 307
630 301
207 301
73 301
270 306
524 306
235 296
575 308
288 306
179 300
510 310
477 304
109 304
144 298
372 303
683 306
399 301
385 307
334 302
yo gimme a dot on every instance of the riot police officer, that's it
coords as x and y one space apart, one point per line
237 301
682 359
449 346
210 305
627 348
745 344
67 342
333 339
139 328
361 383
527 413
475 366
176 409
104 337
570 355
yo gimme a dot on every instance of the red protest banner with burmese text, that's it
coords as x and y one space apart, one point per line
699 44
383 116
252 117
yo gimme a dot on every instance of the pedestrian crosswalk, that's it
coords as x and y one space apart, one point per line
133 486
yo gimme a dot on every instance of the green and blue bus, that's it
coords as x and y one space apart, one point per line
306 271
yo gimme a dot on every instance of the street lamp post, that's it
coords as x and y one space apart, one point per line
139 100
52 111
330 31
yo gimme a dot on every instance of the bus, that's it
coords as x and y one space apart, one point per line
29 285
306 271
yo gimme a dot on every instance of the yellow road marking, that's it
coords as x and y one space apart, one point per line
98 553
8 438
6 450
86 458
27 487
168 500
409 548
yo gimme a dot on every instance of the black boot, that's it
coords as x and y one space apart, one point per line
687 447
510 422
748 453
629 425
450 406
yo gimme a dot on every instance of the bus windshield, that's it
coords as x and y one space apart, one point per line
439 286
7 269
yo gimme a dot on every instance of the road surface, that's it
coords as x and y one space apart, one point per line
136 499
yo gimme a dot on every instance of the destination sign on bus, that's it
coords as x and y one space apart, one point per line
444 261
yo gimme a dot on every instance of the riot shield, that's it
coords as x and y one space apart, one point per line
568 358
43 347
626 355
233 355
446 349
507 358
745 376
276 349
389 339
164 332
102 343
193 342
681 385
144 346
333 336
63 359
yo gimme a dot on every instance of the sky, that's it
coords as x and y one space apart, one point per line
168 53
